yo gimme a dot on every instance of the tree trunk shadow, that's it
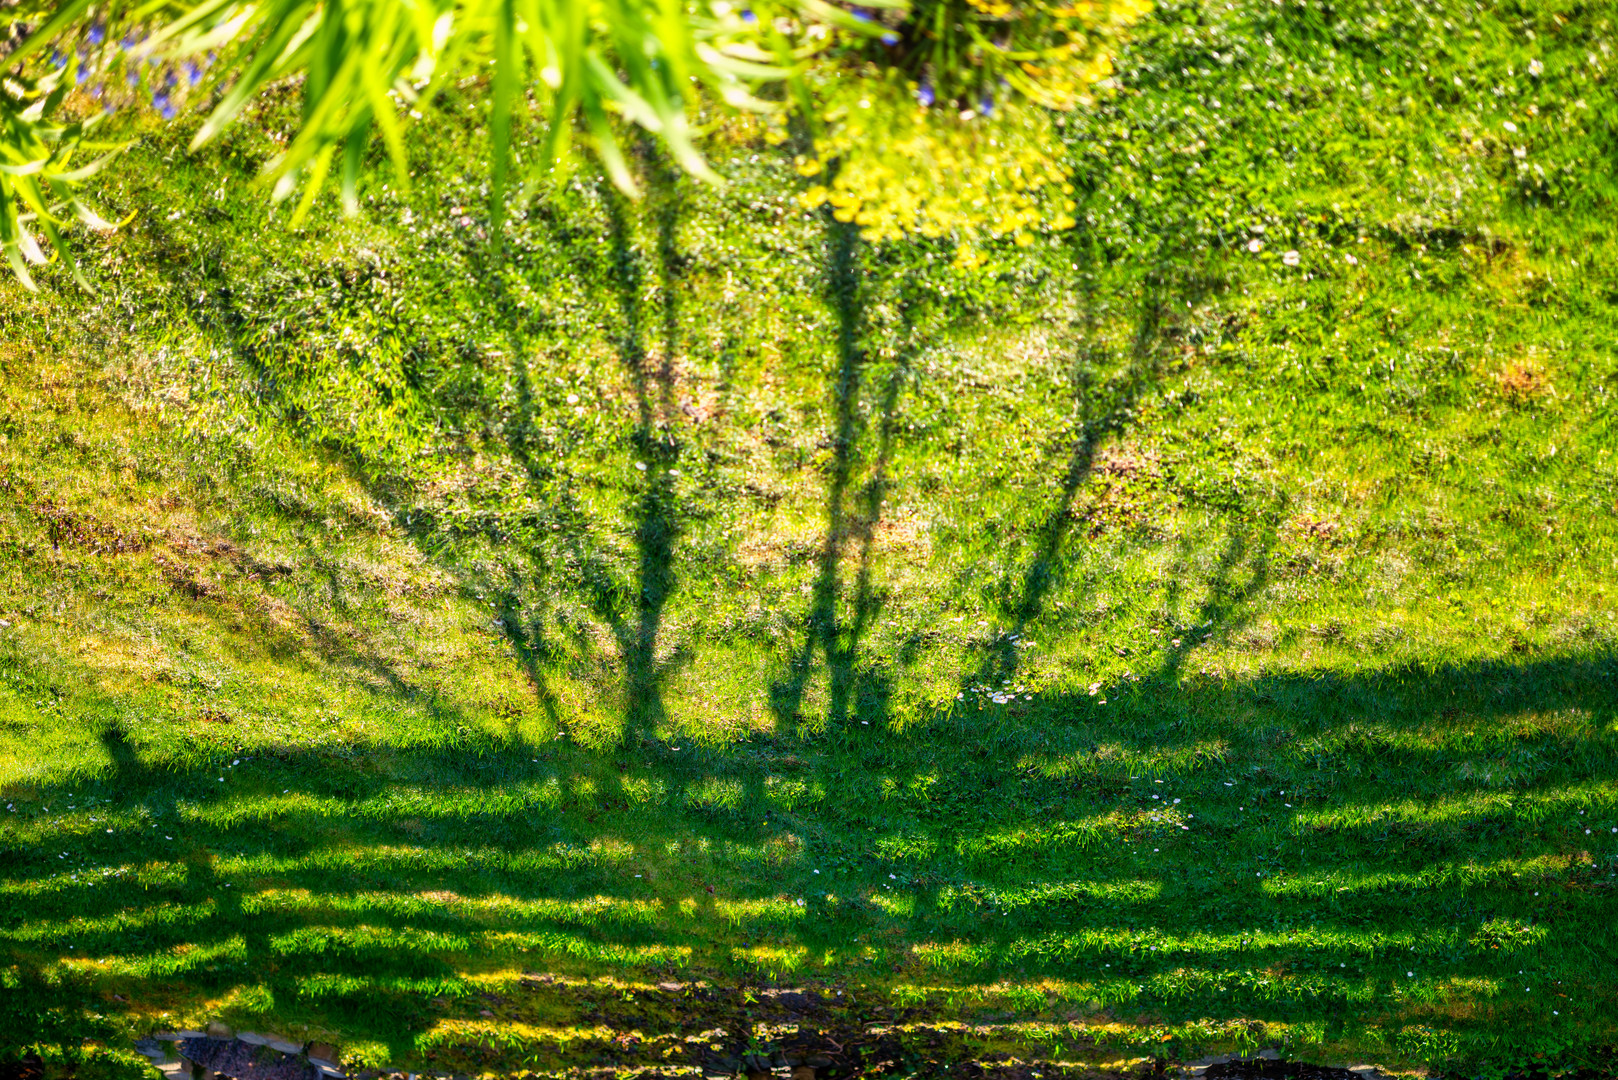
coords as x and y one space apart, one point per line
1104 411
851 516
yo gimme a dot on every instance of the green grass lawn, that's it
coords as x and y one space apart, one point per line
1192 633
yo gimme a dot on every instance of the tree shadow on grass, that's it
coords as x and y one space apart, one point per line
361 887
632 610
365 884
560 544
1103 413
1105 410
851 516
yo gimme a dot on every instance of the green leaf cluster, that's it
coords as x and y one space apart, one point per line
38 170
882 97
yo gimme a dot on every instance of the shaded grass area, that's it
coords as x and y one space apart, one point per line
1148 645
1276 855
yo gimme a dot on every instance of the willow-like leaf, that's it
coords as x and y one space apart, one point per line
589 67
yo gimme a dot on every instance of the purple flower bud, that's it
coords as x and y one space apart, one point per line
861 14
98 34
748 16
890 38
57 59
925 95
193 74
986 106
83 74
168 111
132 77
128 42
96 91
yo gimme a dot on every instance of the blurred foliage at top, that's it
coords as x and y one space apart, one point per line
954 133
932 118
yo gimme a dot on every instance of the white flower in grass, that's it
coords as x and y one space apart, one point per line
1291 258
1509 126
1352 261
1535 68
1410 974
1255 245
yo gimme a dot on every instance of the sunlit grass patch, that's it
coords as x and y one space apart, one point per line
1095 833
1560 804
356 861
775 960
169 916
1515 874
758 914
949 955
401 802
590 951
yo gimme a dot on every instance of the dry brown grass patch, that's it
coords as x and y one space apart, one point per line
1522 382
1322 529
906 535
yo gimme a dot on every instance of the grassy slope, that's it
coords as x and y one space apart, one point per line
354 667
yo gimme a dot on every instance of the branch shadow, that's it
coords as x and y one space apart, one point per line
852 516
1104 411
427 866
403 843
